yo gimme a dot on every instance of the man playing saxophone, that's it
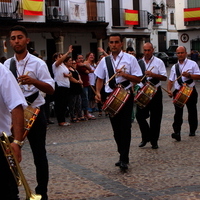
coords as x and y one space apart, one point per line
11 111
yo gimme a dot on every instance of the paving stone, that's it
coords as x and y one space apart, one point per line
82 162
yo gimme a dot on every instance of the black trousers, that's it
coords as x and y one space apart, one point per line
8 185
191 105
61 102
121 124
37 140
151 131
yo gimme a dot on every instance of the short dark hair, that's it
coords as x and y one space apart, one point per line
129 49
19 28
67 58
115 35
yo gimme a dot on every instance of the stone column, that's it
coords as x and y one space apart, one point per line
60 44
99 44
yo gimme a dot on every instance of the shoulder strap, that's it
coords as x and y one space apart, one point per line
13 68
142 66
180 81
112 82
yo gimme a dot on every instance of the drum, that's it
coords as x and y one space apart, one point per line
30 115
145 95
182 95
116 100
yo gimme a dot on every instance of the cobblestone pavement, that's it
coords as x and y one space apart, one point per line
82 156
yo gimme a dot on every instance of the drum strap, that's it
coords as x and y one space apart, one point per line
30 99
180 81
13 68
112 82
142 66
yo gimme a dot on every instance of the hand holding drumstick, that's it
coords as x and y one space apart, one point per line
146 74
170 83
118 71
21 79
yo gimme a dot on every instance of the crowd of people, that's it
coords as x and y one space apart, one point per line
81 86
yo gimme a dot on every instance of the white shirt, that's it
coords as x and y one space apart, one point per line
59 77
92 77
10 97
36 69
131 67
189 65
155 65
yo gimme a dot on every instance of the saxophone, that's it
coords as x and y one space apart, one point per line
15 168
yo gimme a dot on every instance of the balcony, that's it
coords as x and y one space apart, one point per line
11 10
64 11
143 20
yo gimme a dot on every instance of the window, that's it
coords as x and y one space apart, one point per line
115 12
92 10
193 4
172 18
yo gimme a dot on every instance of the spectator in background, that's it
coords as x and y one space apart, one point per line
62 78
84 70
90 59
130 50
75 91
3 59
194 55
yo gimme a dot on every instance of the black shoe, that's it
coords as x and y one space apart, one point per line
143 143
44 197
154 147
50 122
192 134
176 136
154 144
118 163
123 165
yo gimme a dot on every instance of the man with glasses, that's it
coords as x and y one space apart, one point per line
185 71
121 122
154 73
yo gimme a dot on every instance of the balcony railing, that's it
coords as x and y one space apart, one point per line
95 11
11 10
143 19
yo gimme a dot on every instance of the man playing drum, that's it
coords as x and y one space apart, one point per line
154 72
131 72
185 71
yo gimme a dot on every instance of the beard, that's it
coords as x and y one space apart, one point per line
19 50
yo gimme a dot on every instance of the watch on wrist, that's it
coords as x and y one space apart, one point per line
20 143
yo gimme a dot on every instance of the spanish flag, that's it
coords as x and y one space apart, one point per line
159 20
33 7
131 17
191 14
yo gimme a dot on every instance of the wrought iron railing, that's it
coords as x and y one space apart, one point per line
11 9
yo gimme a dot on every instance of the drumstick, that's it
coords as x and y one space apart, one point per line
94 92
145 75
180 76
113 75
164 89
24 74
93 89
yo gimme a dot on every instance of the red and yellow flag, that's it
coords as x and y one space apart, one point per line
33 7
159 20
131 17
191 14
